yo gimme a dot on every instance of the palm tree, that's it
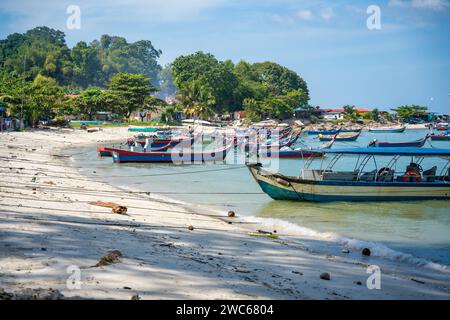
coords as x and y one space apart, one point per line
197 99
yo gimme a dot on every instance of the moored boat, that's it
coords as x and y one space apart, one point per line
108 151
380 184
388 129
174 156
417 143
345 136
291 154
142 129
325 132
350 130
440 137
260 147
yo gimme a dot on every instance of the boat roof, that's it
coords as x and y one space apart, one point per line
390 151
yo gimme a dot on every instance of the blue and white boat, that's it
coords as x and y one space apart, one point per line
378 174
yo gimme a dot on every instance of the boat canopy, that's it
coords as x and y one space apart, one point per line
389 151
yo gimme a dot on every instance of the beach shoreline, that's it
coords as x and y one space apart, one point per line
47 226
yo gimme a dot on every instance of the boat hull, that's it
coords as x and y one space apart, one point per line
124 156
326 132
338 138
280 187
440 137
292 154
397 130
412 144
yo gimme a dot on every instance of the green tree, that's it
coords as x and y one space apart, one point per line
253 109
350 113
407 113
372 115
89 102
217 75
129 92
197 98
43 97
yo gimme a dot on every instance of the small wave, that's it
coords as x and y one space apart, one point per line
377 249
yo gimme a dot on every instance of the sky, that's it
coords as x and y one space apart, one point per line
328 43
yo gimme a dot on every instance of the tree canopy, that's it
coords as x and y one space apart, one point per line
262 89
44 51
407 113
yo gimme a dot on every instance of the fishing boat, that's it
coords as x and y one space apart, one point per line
441 126
174 156
388 129
346 136
159 142
324 132
108 151
440 137
391 181
291 154
259 147
417 143
142 129
299 153
350 130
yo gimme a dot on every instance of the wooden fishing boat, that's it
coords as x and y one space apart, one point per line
388 129
142 129
349 130
359 184
175 156
417 144
108 151
325 132
291 154
346 136
441 127
258 147
297 153
162 142
440 137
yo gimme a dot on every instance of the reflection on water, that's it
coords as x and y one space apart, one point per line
420 228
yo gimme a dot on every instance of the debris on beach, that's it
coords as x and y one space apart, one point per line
111 258
115 208
366 252
191 228
262 233
231 214
325 276
135 297
32 294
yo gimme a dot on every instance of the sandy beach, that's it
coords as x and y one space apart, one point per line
48 229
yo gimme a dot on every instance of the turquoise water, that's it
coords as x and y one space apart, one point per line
421 229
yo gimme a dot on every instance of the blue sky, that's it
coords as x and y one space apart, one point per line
407 61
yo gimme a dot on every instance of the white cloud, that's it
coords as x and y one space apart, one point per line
437 5
327 13
304 15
